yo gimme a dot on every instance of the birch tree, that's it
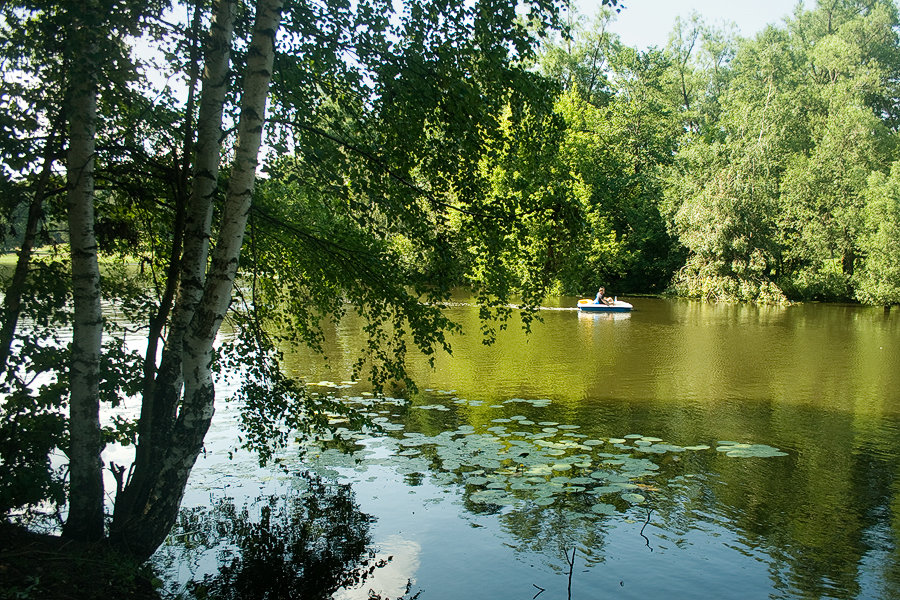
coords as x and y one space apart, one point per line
150 500
404 125
85 520
163 387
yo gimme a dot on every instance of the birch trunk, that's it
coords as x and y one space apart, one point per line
85 519
182 195
160 399
197 231
151 521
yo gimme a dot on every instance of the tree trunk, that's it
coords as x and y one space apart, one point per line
848 262
160 399
182 194
151 521
85 520
12 299
159 405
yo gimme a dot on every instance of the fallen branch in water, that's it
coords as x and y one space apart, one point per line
571 570
647 522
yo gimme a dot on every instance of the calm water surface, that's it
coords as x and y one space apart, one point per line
585 459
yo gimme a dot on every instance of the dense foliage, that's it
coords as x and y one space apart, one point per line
738 169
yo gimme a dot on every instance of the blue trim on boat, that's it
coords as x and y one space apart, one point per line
617 306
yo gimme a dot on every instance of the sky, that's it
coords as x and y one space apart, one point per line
643 23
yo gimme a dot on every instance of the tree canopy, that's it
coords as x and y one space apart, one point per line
386 140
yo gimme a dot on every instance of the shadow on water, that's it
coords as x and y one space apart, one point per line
305 545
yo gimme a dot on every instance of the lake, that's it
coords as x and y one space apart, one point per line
685 450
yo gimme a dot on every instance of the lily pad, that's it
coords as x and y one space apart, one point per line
602 508
489 497
661 448
582 480
736 450
605 490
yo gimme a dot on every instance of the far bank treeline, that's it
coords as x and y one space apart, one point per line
722 168
742 169
718 167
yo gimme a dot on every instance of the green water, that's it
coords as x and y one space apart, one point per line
599 437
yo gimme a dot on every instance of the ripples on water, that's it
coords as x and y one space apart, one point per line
819 382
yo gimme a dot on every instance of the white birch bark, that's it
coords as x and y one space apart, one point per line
85 519
197 407
206 168
160 400
153 518
158 408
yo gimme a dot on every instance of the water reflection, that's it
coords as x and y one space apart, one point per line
801 524
306 545
689 354
392 580
456 479
596 317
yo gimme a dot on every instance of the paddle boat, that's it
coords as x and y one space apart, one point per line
617 305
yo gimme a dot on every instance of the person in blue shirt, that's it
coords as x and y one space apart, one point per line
599 299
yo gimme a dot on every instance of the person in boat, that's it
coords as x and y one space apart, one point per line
600 298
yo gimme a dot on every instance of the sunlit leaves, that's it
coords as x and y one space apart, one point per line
879 280
418 165
769 197
615 186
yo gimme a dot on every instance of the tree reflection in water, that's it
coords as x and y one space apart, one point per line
305 546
